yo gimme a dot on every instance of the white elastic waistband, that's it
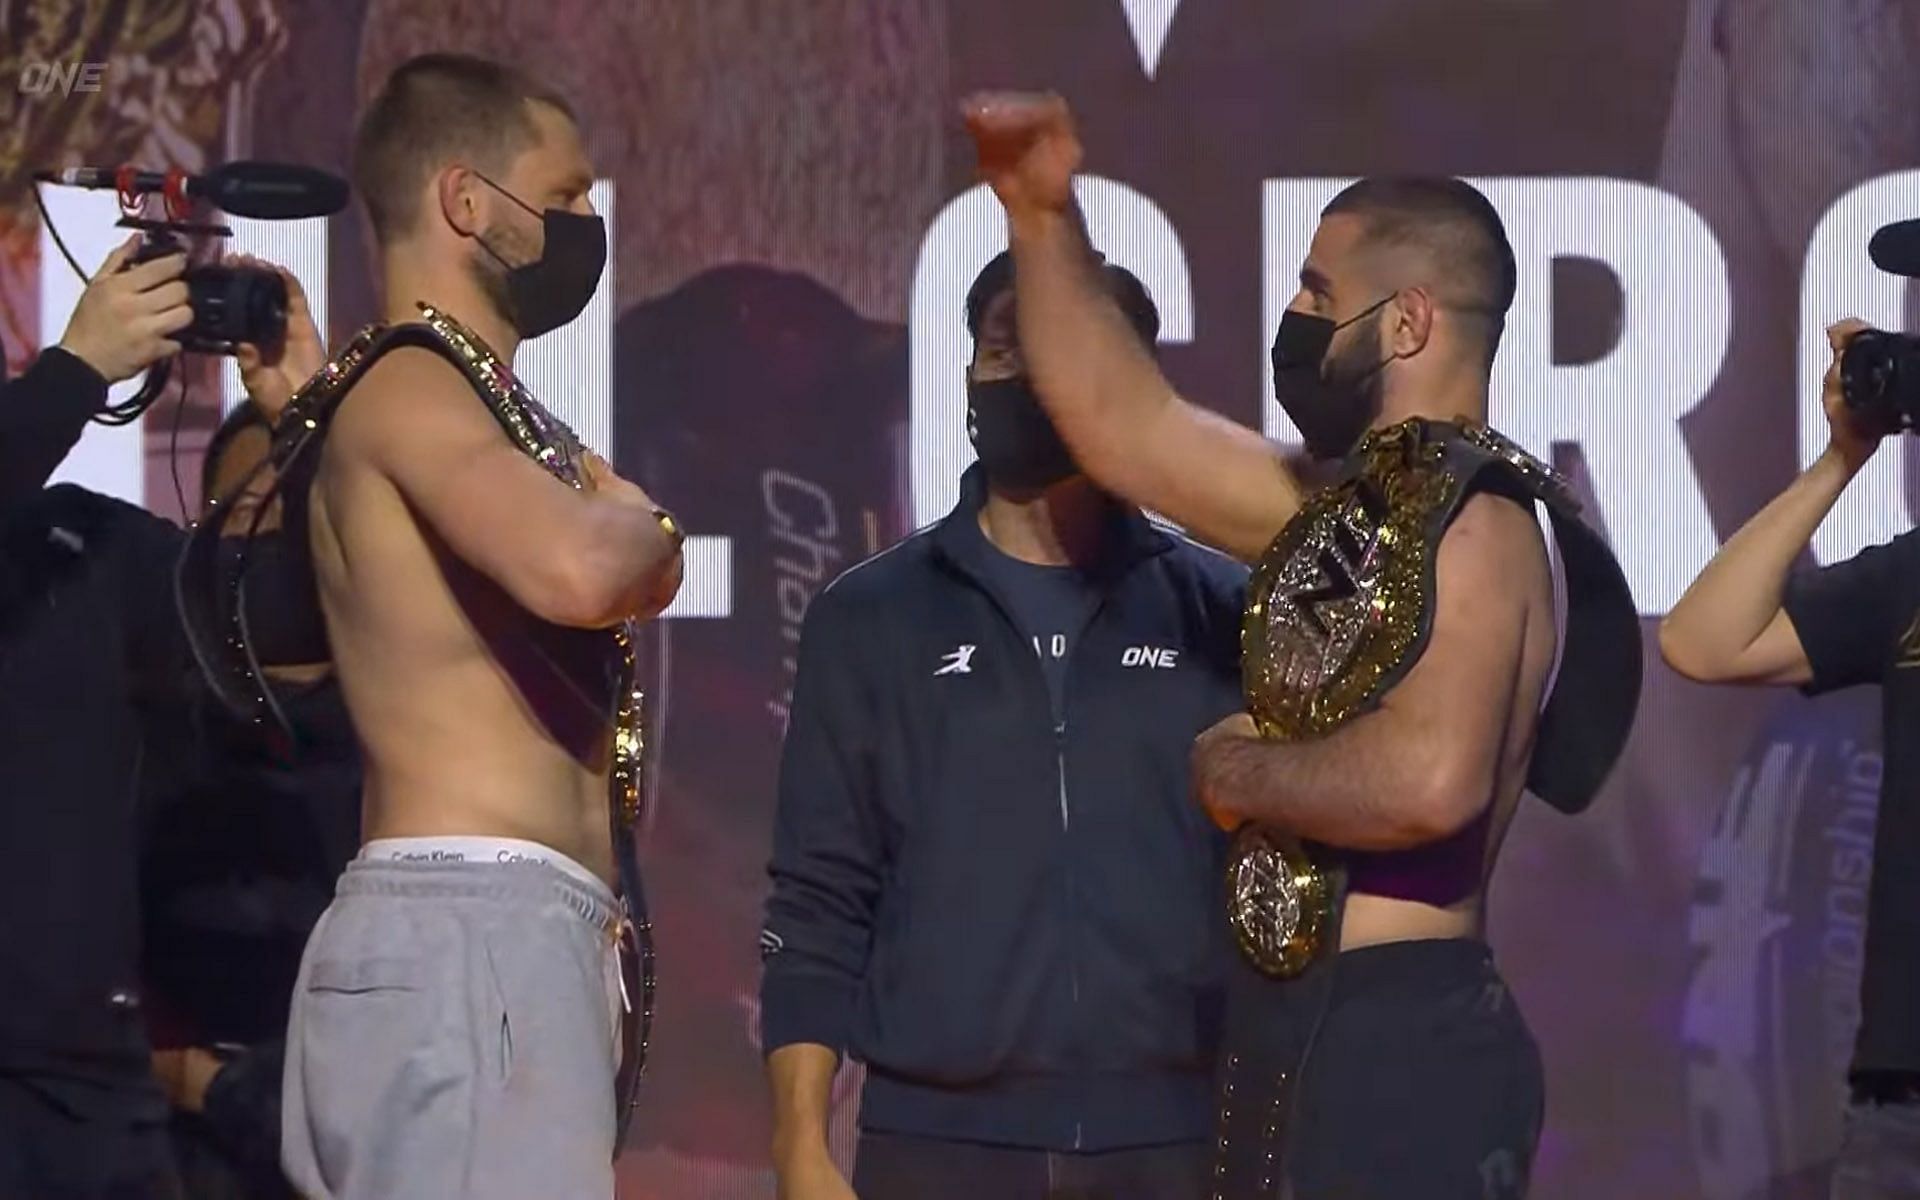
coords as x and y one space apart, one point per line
479 850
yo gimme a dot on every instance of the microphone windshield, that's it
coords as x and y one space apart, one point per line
273 191
1896 249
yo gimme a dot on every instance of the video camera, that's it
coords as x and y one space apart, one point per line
1880 371
231 304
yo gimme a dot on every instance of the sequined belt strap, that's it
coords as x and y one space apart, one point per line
638 977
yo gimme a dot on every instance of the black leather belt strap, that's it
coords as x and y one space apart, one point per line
1270 1030
1885 1087
1587 720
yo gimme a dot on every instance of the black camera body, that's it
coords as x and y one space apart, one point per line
230 304
1880 378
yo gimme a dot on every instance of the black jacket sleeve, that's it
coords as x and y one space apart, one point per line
1852 616
42 415
829 845
148 549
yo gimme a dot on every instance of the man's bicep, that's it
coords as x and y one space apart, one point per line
420 427
1222 482
1459 696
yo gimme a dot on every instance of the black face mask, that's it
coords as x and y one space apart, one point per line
1331 402
284 623
1013 436
553 289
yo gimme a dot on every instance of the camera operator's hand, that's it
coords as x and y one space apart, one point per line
122 323
273 373
184 1075
1854 435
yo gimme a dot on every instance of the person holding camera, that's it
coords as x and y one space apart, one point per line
1750 620
93 663
239 861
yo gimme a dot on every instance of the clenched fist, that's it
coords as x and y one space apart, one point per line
1028 148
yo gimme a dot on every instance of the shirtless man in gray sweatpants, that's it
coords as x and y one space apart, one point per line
456 1025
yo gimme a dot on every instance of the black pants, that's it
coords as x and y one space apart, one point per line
895 1167
50 1152
1409 1074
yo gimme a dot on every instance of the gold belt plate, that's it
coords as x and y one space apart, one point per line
1279 902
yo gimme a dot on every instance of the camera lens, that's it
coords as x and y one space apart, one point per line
232 305
1880 377
264 307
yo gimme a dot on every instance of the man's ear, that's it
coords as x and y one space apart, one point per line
1409 322
457 189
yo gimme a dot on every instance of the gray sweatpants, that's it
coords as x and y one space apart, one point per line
454 1034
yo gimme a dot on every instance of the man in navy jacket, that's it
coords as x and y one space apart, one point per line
990 882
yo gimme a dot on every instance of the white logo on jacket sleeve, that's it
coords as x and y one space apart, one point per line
1156 657
958 661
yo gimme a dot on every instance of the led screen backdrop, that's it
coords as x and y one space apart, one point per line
777 353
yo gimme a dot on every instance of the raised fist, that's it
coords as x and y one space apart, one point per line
1027 146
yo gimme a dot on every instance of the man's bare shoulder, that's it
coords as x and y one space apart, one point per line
410 392
1497 540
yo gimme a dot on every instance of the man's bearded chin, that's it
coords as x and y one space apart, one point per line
1355 369
491 274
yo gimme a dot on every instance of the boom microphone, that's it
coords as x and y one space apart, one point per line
263 190
1895 249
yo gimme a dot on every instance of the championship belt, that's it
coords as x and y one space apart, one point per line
1339 609
213 610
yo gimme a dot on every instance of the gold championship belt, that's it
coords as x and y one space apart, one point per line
212 609
1338 610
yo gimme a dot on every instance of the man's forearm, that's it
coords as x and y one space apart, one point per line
630 553
1351 789
1740 592
801 1075
1086 362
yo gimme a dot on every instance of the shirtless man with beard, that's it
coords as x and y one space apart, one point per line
456 1024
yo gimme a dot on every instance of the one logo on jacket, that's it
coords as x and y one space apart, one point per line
1153 657
771 944
959 660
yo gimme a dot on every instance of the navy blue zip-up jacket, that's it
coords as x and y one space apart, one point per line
1016 926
